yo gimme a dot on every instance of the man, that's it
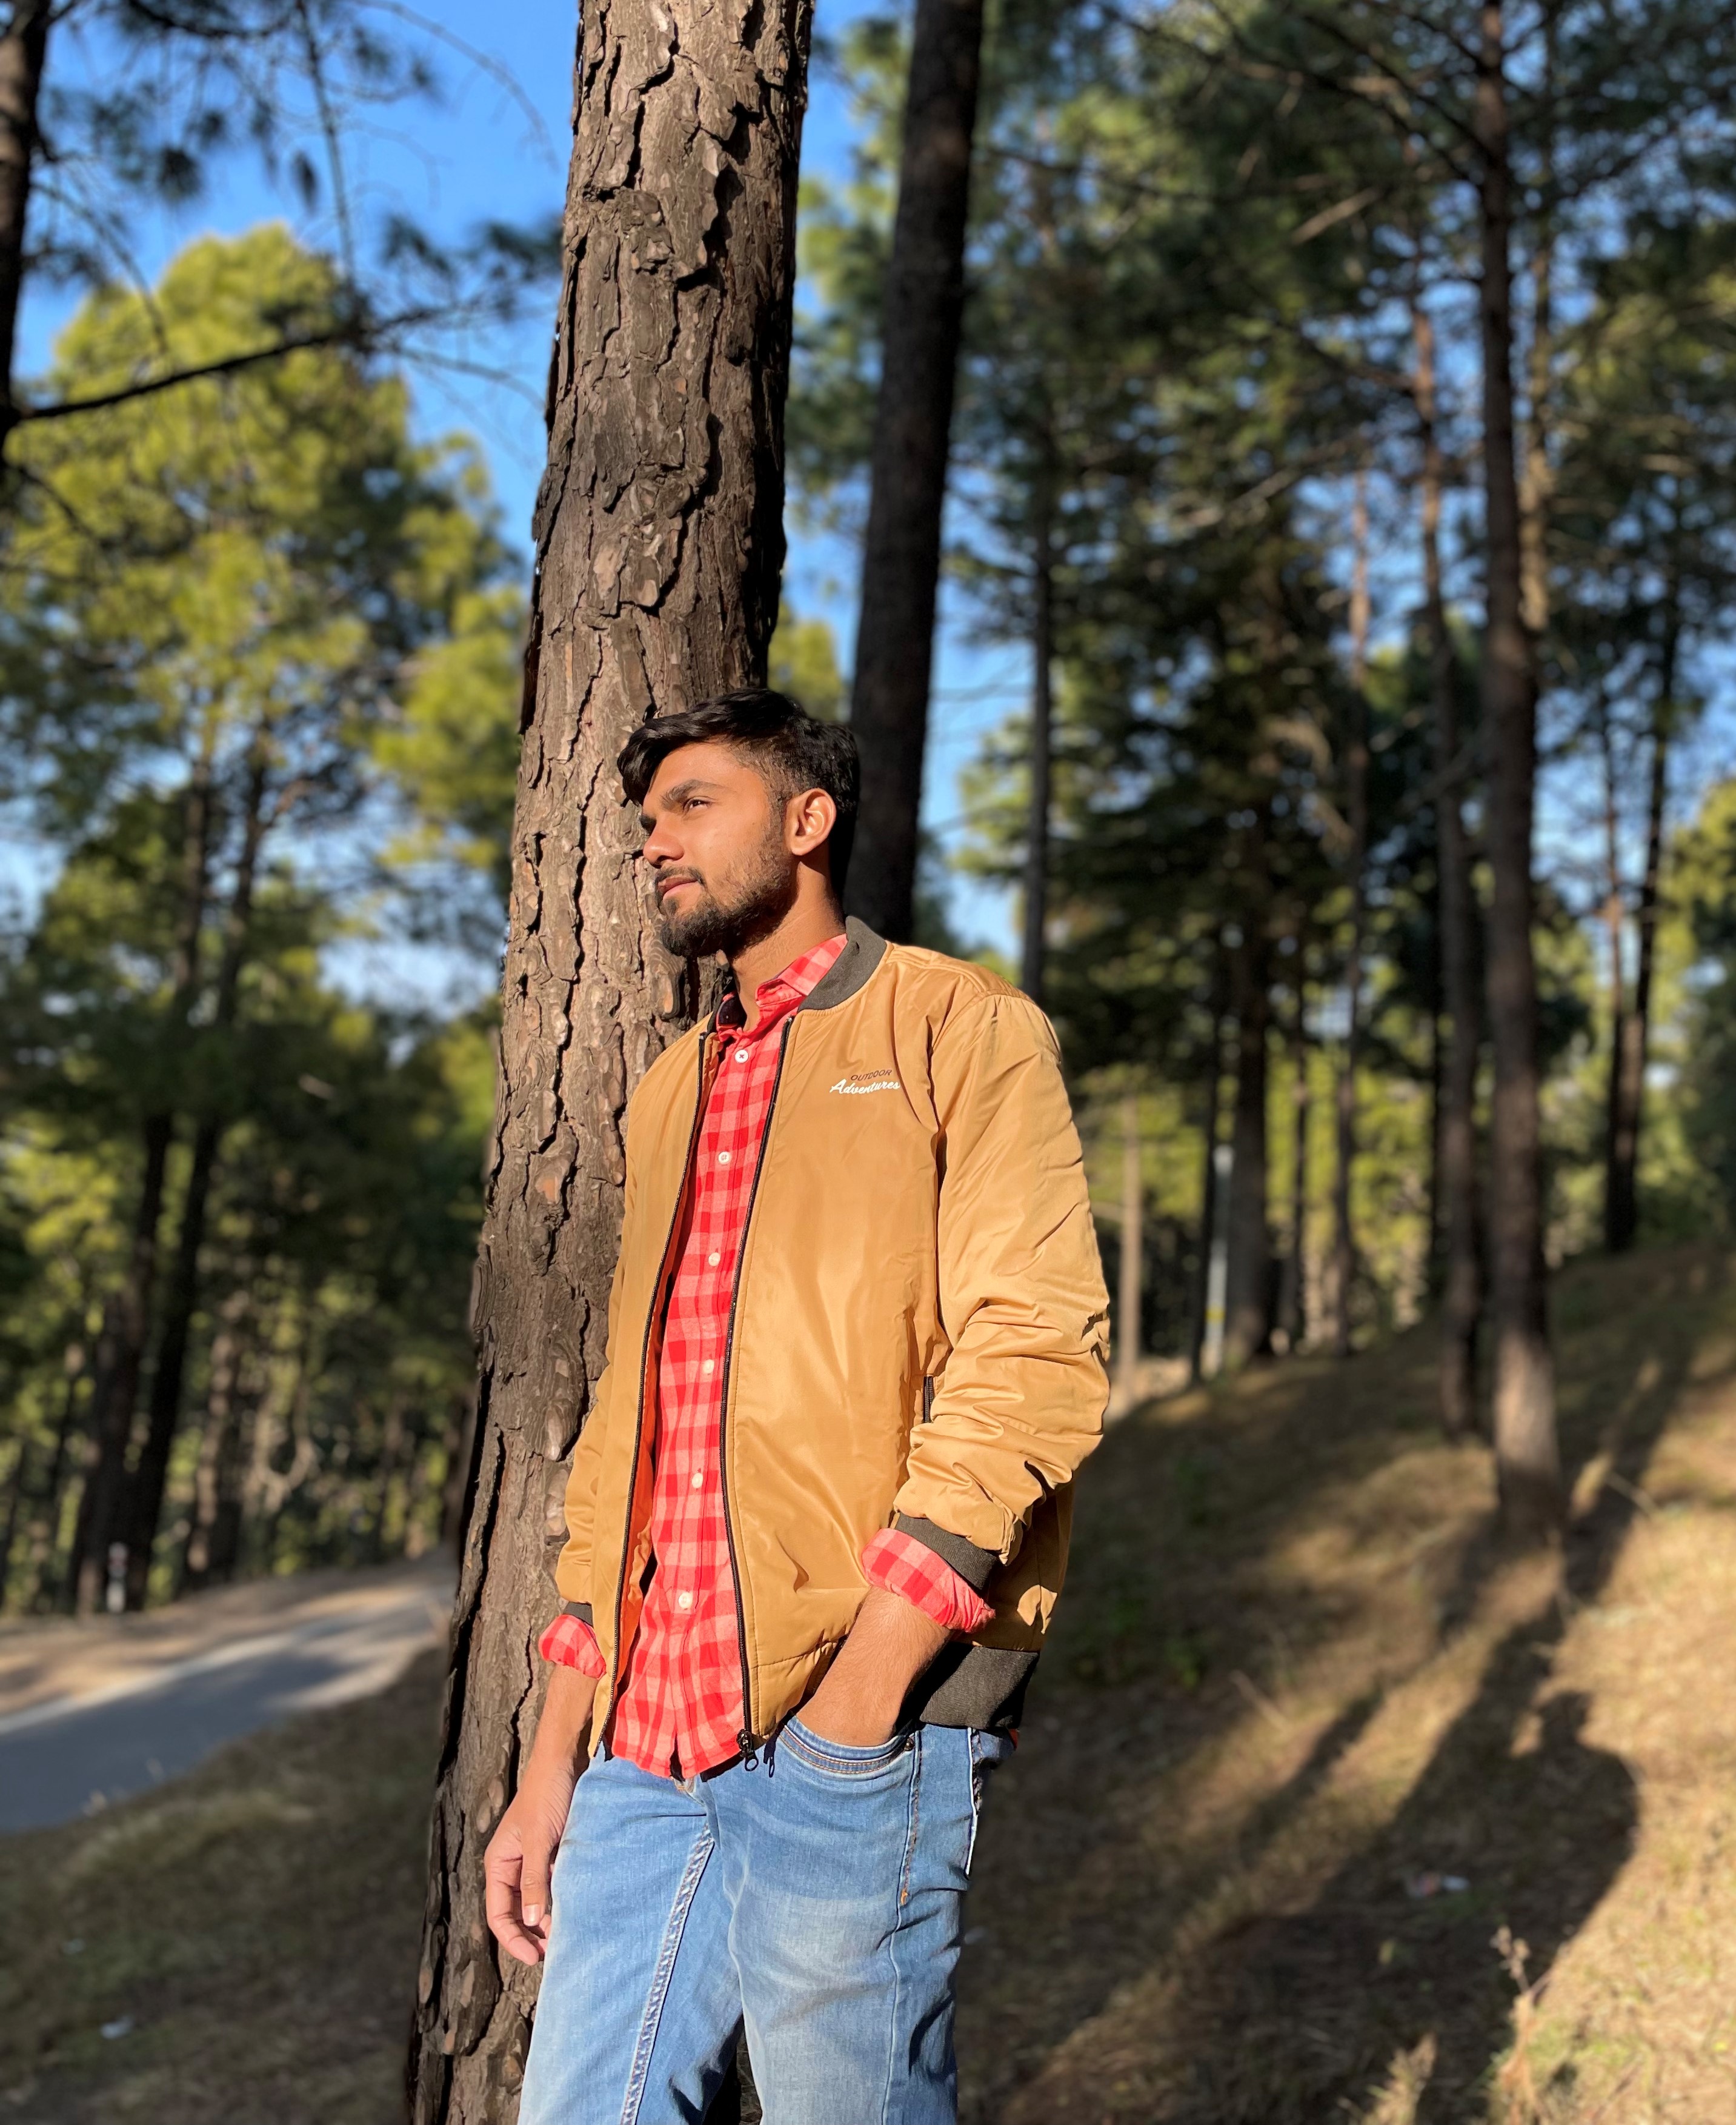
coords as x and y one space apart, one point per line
818 1515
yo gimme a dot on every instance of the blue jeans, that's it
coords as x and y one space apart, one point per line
813 1899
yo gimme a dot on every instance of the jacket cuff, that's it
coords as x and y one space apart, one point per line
972 1565
569 1642
900 1565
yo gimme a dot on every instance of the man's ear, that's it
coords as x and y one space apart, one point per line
808 822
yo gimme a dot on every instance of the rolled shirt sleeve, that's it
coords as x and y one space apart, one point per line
909 1568
569 1642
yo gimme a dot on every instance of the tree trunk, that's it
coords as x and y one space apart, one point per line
1355 808
1536 473
1043 711
1615 927
115 1387
659 544
1461 1290
1292 1307
900 559
1432 1007
212 1536
461 1437
15 1488
23 52
127 1318
394 1435
1131 1291
1527 1453
1209 1129
1248 1297
1628 1062
45 1526
150 1476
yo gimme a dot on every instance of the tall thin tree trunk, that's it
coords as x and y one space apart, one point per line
17 1486
180 1298
1248 1297
1432 1004
1622 1192
1292 1307
659 543
393 1435
1043 717
45 1526
461 1436
1210 1127
1462 1288
23 55
115 1388
1132 1284
1536 471
1614 927
1356 807
918 362
210 1540
1527 1452
127 1318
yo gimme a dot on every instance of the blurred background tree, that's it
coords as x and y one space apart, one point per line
259 656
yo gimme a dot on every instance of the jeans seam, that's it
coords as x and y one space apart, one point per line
891 1945
661 1978
976 1772
910 1842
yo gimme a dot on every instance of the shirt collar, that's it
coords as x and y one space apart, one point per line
786 988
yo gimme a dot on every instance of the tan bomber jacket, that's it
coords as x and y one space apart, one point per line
917 1335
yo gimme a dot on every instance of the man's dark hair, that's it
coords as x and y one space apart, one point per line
791 749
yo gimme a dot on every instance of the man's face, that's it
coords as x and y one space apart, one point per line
721 868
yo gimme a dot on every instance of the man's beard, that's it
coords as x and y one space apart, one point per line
752 910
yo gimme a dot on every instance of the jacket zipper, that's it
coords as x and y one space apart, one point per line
748 1741
650 1322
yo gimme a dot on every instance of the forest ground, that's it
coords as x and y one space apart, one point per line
1296 1699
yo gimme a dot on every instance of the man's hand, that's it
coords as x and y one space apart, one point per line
890 1644
520 1856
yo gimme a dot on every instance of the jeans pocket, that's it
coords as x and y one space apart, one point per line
838 1759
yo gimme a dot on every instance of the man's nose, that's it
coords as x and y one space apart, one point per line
661 846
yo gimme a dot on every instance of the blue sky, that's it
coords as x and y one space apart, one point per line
485 151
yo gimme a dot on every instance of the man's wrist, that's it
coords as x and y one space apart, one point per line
863 1695
562 1731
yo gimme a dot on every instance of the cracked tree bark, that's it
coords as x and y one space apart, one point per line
659 545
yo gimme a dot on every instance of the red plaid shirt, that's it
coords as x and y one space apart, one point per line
678 1708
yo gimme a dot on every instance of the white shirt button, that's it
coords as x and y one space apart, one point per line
708 1365
711 1261
723 1158
742 1055
684 1599
699 1479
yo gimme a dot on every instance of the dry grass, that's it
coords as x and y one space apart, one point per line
1294 1682
255 1923
1298 1691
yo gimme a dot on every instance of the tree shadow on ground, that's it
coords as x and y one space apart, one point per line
1298 2019
1093 1895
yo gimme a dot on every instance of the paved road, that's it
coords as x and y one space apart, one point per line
151 1718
